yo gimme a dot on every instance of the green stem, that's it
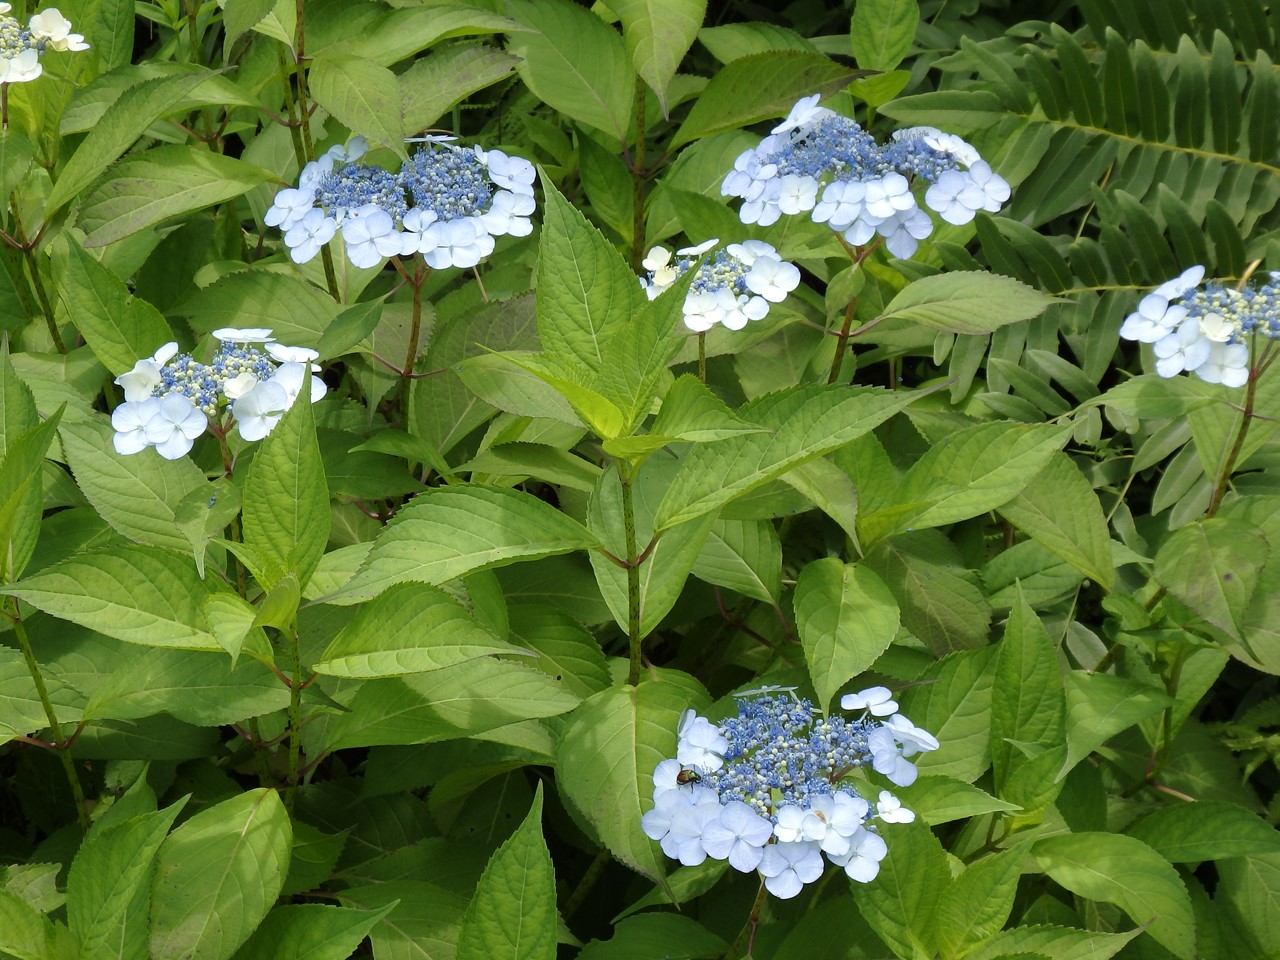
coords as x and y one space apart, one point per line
415 332
33 267
585 885
193 12
633 573
55 728
637 180
1229 461
702 357
742 945
842 344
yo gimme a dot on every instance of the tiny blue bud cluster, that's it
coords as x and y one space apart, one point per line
445 203
1210 329
769 789
170 398
867 188
736 285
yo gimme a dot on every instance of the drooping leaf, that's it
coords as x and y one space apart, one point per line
362 94
658 33
1212 566
882 32
966 302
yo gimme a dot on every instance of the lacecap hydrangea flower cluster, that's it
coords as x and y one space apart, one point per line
866 188
21 47
1207 330
733 286
767 790
170 398
446 203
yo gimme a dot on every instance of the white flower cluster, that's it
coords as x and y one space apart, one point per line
866 188
21 47
1207 331
767 790
736 285
446 203
169 399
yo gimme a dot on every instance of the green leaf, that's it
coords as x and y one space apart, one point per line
941 799
137 594
1205 830
690 411
575 63
1029 708
240 16
22 494
1117 869
566 649
362 95
513 913
435 82
17 406
978 902
570 380
966 302
658 33
900 903
759 87
310 931
217 875
412 628
349 329
1059 509
978 469
742 555
801 425
286 499
734 40
1152 397
138 495
664 571
24 932
122 123
147 188
882 32
118 327
1212 566
446 532
421 926
459 701
1060 943
109 885
1099 706
846 618
608 751
962 110
299 312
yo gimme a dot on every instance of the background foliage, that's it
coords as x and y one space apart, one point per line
244 715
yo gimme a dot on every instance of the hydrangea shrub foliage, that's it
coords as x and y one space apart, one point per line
493 480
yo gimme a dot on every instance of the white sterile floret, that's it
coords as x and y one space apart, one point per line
511 173
703 309
698 249
258 411
1182 284
842 205
175 426
508 214
55 30
1227 363
738 835
348 152
415 223
947 143
797 194
787 867
746 253
886 758
664 777
140 382
370 235
891 810
955 197
456 243
1217 328
772 278
700 743
286 354
1154 319
902 231
832 820
130 421
237 386
294 376
763 209
22 67
862 860
305 237
913 739
688 828
805 111
789 827
289 207
876 700
243 335
1184 349
889 195
995 188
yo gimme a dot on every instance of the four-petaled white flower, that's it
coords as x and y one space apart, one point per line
140 382
701 743
370 235
55 30
174 426
877 700
130 421
891 810
787 867
738 835
258 411
21 67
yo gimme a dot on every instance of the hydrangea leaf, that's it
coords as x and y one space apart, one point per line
846 618
900 903
117 326
744 556
412 628
977 903
1099 706
310 931
882 32
513 913
565 648
966 302
148 188
434 83
363 95
1061 943
939 799
1205 830
801 424
217 875
1117 869
1212 567
575 63
450 531
286 498
658 33
24 931
109 885
22 495
608 751
137 594
297 312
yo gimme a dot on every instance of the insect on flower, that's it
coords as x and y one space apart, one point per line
688 776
